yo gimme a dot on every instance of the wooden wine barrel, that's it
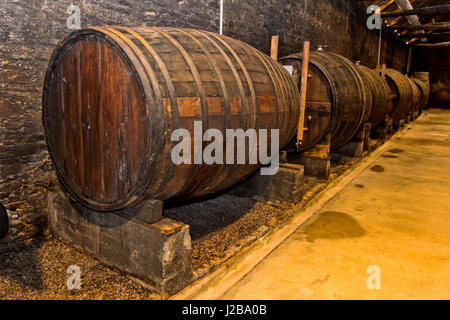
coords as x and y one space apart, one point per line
381 101
338 101
423 76
113 96
424 92
416 96
401 89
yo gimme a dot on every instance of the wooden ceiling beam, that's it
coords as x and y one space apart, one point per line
386 4
404 6
436 10
394 21
431 45
442 36
431 26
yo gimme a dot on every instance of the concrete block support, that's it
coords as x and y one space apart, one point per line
158 253
357 145
286 185
316 161
385 129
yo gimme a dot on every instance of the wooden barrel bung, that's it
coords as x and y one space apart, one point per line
113 96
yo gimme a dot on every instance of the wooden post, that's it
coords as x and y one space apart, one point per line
383 70
303 87
408 63
274 47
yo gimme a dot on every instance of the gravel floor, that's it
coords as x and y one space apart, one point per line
39 271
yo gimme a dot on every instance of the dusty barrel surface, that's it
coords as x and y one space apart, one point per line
338 101
113 96
381 102
424 92
402 91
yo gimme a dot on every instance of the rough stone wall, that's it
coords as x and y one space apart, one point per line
340 24
30 29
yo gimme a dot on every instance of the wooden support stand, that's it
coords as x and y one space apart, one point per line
385 130
389 124
367 129
138 241
358 144
408 118
285 186
316 161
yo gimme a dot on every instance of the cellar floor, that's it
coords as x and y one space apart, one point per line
386 235
377 219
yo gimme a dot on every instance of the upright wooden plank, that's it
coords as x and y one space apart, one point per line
274 47
303 88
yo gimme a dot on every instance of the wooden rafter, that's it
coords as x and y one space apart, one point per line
445 35
431 26
436 10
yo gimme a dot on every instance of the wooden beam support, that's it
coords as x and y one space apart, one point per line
393 22
436 10
432 45
425 35
408 63
432 26
412 40
303 87
386 4
404 6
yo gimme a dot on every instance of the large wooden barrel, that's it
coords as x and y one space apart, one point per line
424 90
338 101
416 96
401 89
423 76
381 101
113 96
